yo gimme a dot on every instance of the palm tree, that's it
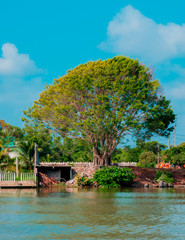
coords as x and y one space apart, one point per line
25 150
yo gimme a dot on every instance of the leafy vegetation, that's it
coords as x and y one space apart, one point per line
176 155
164 176
53 148
76 150
113 177
86 114
101 102
128 154
83 181
25 150
147 159
8 135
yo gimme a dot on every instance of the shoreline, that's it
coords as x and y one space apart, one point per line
144 178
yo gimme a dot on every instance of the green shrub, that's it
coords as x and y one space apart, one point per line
113 177
147 159
18 178
158 174
164 176
178 159
84 181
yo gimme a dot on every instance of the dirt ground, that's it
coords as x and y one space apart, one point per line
147 175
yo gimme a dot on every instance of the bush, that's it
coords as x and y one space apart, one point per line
126 154
83 181
147 159
164 176
176 155
113 177
178 159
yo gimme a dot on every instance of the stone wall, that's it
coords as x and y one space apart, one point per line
85 171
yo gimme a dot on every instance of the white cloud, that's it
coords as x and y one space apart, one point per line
21 82
13 63
131 33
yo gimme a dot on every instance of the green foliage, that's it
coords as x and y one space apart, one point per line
128 154
100 102
37 133
76 150
119 156
176 155
178 159
159 173
18 178
25 149
147 159
164 176
14 133
8 135
55 149
52 148
113 177
152 146
84 181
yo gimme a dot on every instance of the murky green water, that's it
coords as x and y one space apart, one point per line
127 214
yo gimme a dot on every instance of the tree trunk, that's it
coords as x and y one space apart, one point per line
104 160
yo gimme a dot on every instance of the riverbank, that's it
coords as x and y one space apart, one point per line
144 177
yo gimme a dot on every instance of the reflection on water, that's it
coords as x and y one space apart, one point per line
92 214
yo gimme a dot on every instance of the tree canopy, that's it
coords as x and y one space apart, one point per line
176 154
101 102
8 136
128 154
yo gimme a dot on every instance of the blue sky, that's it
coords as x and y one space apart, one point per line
41 40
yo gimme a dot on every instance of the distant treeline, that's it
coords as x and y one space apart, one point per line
53 148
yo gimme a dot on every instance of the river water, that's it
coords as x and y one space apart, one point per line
92 214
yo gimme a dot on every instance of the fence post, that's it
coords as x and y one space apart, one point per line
17 167
0 176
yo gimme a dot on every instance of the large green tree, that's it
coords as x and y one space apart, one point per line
101 102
